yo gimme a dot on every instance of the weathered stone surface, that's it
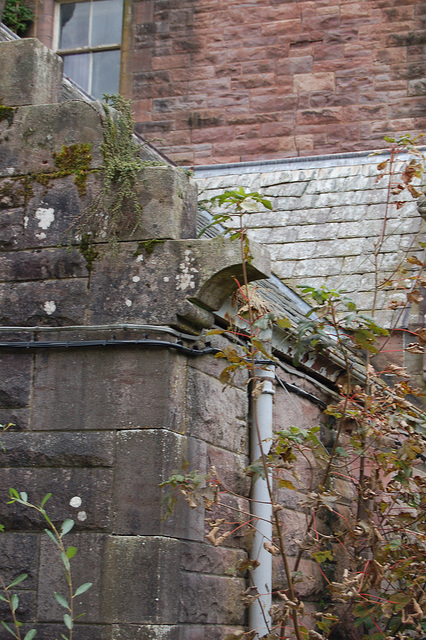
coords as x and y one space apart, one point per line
146 632
25 547
86 567
141 580
11 226
92 486
43 302
198 270
137 498
211 599
206 418
19 418
53 631
38 132
57 450
312 584
168 198
230 468
41 265
116 388
26 609
30 73
15 382
204 558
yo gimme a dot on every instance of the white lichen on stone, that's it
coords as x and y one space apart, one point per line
166 279
26 220
129 303
49 307
139 258
41 235
45 217
136 278
82 516
76 502
185 279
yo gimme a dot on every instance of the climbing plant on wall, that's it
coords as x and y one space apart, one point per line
372 556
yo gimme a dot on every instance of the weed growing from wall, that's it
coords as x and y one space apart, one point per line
116 209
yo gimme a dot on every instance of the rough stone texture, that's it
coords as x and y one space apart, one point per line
92 486
57 449
16 381
206 418
327 214
40 67
112 400
137 500
87 566
211 599
153 599
228 83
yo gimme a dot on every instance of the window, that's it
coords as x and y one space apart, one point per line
89 39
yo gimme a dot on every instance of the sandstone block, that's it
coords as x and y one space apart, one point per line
207 418
15 381
57 449
141 580
137 500
30 73
211 599
117 388
86 566
91 486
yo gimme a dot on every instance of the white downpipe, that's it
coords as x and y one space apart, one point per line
259 617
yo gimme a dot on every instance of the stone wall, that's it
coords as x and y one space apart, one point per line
104 397
266 79
269 79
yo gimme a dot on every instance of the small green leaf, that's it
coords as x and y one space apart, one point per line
52 537
64 637
65 561
18 580
6 626
67 525
70 552
30 635
23 496
45 499
14 602
13 493
68 621
283 323
3 599
61 600
83 588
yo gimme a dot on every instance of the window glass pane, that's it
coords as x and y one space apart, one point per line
74 25
107 18
77 67
106 73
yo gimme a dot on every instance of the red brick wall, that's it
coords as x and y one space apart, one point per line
235 80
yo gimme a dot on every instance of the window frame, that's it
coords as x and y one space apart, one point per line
116 46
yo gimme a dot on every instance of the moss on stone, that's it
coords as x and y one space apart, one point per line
7 113
148 246
74 160
88 251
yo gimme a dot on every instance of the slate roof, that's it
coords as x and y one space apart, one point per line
328 213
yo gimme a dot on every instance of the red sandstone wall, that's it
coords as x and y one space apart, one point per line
233 80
